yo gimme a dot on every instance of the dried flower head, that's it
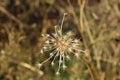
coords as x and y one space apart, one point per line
61 46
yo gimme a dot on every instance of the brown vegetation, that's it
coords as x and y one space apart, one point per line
96 22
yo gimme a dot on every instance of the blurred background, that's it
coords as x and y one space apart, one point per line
95 22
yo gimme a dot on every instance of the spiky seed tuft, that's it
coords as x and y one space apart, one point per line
61 46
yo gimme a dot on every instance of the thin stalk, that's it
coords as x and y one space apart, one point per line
63 21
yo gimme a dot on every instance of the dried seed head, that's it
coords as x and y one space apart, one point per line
61 46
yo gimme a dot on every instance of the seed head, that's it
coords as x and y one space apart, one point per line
60 46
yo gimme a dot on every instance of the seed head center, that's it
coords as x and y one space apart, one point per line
60 45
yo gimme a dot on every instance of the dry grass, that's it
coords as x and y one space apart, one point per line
96 22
